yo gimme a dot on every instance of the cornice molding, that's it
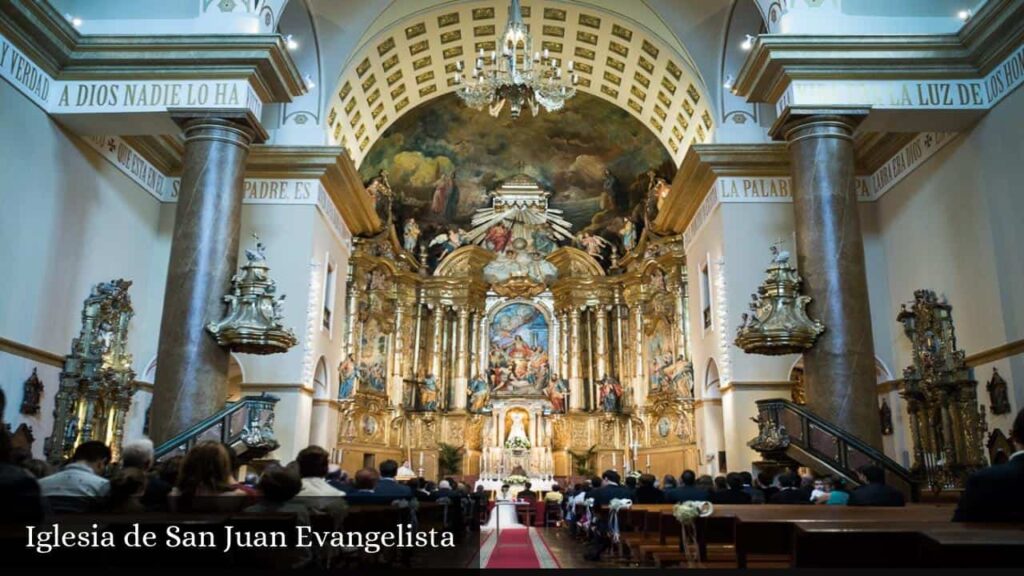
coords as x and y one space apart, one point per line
705 163
766 386
330 165
777 59
38 30
31 353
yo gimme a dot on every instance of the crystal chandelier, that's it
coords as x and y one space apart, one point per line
515 76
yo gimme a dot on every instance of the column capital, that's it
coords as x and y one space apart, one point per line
235 126
798 122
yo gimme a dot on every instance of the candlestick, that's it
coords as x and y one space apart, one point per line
421 461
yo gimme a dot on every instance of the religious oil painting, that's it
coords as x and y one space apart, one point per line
660 360
444 158
373 354
519 363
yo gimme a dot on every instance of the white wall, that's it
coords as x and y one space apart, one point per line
955 226
68 220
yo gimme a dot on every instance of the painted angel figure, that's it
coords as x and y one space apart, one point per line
410 235
449 241
591 243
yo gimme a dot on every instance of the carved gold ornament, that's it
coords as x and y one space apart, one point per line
777 322
252 324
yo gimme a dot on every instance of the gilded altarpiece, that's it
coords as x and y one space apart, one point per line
582 357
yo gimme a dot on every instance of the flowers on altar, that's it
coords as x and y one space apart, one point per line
516 479
687 512
634 474
517 443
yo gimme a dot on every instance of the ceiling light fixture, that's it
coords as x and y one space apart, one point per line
965 15
290 42
516 75
728 82
748 43
75 20
309 82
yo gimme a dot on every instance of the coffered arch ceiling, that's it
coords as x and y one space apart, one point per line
400 65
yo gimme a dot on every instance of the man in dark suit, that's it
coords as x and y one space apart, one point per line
764 483
735 493
874 491
609 490
527 494
688 491
387 485
646 492
788 492
994 494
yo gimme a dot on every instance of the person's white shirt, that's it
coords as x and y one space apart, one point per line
78 480
313 486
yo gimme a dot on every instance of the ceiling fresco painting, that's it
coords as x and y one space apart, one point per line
444 161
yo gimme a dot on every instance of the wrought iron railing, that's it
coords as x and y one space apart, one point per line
785 425
249 421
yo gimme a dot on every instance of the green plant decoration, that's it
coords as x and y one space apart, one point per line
449 459
581 462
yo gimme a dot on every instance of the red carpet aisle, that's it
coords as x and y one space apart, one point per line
516 549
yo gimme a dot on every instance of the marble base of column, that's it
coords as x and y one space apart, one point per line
839 370
191 373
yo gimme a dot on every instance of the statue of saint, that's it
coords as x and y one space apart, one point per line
428 393
518 428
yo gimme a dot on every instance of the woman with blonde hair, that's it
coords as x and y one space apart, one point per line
204 477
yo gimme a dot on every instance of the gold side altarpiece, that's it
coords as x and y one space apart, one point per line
419 366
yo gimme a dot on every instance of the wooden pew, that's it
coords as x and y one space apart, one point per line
765 532
983 545
907 544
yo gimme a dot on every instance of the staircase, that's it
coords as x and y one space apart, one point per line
789 431
246 425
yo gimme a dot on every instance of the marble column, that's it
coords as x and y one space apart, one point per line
639 384
414 371
192 370
619 309
461 361
397 357
575 380
435 344
682 344
563 328
839 370
601 327
351 307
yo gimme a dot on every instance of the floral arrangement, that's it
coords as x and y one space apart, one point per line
687 512
517 443
634 474
516 479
